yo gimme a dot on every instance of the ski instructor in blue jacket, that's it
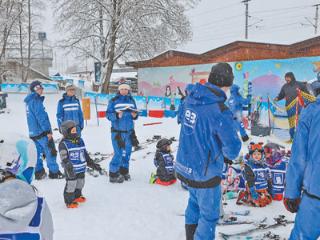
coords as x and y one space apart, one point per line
302 191
207 139
122 110
41 133
69 108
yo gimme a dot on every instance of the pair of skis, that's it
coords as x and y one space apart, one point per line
279 221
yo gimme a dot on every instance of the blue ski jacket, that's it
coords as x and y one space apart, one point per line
207 136
69 108
37 117
125 104
236 101
304 166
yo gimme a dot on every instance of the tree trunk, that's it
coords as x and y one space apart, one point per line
29 41
21 44
101 31
111 49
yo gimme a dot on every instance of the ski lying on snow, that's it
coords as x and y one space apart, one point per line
235 221
279 221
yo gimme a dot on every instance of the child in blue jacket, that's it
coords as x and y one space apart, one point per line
74 159
257 176
164 161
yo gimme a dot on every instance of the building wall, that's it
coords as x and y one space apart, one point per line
266 75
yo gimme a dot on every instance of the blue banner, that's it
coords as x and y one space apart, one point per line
24 87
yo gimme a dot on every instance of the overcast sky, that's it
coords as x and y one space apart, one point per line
218 22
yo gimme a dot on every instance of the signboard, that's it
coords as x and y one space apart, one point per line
97 72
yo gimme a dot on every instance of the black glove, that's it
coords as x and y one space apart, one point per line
68 168
93 165
292 205
227 161
134 139
120 141
52 147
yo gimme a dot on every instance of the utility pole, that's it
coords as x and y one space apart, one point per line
246 3
316 20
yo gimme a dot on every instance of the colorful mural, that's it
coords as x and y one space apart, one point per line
267 76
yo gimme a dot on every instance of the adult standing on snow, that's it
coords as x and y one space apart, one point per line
302 191
289 92
122 110
40 132
236 103
207 138
69 108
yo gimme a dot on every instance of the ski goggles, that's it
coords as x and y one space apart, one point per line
256 147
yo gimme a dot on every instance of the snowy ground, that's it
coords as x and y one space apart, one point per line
133 210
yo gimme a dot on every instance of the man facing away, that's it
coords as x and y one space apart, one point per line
207 138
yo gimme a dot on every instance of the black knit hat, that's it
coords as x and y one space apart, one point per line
221 75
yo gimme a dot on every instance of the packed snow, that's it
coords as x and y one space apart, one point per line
133 210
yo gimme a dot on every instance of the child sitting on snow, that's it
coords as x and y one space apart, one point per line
163 160
257 176
74 159
275 159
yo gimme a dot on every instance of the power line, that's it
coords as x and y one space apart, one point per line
316 19
219 20
214 10
282 9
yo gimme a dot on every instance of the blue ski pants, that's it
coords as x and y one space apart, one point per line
307 222
42 147
121 156
203 209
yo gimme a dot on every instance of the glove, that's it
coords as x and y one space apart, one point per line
120 141
254 194
292 205
134 139
52 147
97 167
227 161
68 168
94 166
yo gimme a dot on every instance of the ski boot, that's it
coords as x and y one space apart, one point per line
153 178
57 175
116 178
80 199
125 173
39 175
72 205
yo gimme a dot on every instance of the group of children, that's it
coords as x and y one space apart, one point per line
259 177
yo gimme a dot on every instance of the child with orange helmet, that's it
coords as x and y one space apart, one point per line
257 176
